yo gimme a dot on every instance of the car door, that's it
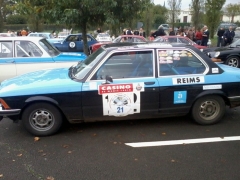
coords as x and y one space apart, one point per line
133 92
181 78
7 62
28 58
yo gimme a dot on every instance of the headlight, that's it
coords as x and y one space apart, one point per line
217 54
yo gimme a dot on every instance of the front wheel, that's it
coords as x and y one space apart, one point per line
233 61
42 119
208 110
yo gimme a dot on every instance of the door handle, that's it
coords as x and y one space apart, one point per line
149 83
10 61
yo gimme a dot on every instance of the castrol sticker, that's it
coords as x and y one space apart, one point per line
121 99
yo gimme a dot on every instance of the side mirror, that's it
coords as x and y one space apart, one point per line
109 79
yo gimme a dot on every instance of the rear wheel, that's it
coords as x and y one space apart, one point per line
233 61
208 110
42 119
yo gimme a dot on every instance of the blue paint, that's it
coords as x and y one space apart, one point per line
40 82
180 97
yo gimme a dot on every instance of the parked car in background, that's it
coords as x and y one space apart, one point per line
138 81
119 39
7 35
178 39
237 36
103 37
74 43
226 25
229 55
19 55
63 35
46 35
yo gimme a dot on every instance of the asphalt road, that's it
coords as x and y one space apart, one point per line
97 151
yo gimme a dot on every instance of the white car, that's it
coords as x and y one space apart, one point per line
19 55
103 37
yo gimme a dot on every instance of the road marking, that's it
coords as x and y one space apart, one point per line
184 141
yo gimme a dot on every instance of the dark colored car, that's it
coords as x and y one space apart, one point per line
178 39
73 43
229 55
138 81
119 39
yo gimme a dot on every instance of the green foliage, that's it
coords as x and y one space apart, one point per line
16 19
174 11
213 14
232 10
197 12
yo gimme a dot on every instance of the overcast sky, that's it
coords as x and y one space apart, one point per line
185 3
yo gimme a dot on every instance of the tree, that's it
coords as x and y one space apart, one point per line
83 13
197 12
213 14
174 10
232 10
33 10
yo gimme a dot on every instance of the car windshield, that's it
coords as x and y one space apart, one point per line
83 67
51 50
235 43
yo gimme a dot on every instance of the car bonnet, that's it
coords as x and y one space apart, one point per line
79 55
47 81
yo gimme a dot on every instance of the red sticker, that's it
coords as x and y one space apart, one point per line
114 88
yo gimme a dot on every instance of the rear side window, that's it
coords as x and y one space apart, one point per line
179 62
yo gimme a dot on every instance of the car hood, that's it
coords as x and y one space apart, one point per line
46 81
227 48
78 55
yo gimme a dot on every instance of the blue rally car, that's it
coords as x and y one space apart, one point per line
19 55
135 81
73 43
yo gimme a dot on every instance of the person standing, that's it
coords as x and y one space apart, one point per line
205 36
199 36
172 32
159 32
142 32
228 36
220 34
191 34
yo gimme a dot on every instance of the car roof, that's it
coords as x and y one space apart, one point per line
40 33
145 45
22 38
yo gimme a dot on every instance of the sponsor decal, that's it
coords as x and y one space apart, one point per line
180 97
215 70
114 88
121 99
188 80
72 44
215 86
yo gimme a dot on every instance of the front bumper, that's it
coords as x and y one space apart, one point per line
217 60
9 112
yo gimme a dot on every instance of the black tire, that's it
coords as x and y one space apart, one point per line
233 61
42 119
208 110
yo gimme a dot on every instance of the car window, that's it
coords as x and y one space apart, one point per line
116 40
179 62
73 38
172 40
126 65
35 35
138 40
185 41
27 49
6 49
51 50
